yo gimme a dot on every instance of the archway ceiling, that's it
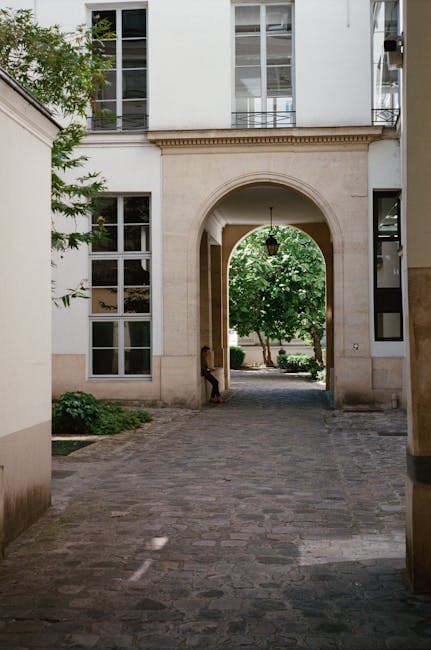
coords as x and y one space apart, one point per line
250 205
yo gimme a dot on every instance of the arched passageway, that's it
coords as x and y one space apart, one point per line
278 302
234 216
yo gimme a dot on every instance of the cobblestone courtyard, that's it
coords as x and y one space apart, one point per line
267 522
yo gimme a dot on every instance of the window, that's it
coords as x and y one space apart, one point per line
388 320
120 319
263 66
122 103
386 82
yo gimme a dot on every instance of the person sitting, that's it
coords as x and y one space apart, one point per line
206 372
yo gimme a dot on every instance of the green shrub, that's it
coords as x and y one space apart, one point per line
237 356
75 412
114 418
299 363
79 412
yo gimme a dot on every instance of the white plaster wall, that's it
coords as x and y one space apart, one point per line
25 270
333 62
190 64
384 173
127 167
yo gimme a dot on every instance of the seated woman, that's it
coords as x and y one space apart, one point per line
206 372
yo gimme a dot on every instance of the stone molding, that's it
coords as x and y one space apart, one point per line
25 111
339 136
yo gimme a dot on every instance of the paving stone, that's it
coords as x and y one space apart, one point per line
282 525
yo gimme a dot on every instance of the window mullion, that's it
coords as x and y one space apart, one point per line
263 57
121 348
119 64
120 222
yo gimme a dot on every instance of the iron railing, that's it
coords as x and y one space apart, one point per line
385 116
265 120
111 122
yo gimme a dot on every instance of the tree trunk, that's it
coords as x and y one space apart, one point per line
317 347
262 343
269 361
266 350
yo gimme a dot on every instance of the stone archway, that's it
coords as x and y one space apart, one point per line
330 171
251 199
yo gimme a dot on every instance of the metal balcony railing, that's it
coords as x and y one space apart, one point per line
117 123
385 116
265 120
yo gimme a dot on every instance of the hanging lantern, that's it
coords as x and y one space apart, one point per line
271 243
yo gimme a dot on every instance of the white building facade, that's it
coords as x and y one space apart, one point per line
216 110
27 132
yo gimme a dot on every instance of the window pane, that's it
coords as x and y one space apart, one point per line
247 50
109 90
105 335
134 22
107 49
247 19
247 82
279 50
135 53
248 105
109 241
104 301
106 207
104 116
279 19
137 238
105 362
137 362
136 273
137 301
104 273
134 115
137 334
280 104
134 84
388 265
387 215
388 326
108 16
137 209
279 81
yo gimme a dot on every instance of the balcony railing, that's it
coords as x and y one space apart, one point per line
263 120
117 123
385 116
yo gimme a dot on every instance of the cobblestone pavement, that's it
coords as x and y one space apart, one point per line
267 522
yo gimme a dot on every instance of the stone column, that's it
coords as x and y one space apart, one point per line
416 142
205 293
216 305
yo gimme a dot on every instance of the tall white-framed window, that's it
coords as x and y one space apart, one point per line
264 66
120 281
386 81
122 104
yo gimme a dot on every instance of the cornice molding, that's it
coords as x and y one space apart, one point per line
16 106
361 135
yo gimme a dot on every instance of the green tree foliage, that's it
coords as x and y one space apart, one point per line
63 71
281 296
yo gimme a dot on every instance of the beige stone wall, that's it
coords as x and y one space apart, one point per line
416 144
70 373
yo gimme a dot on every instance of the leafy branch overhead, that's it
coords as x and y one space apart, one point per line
282 296
64 71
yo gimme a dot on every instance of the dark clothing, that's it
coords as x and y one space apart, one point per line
205 372
214 383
